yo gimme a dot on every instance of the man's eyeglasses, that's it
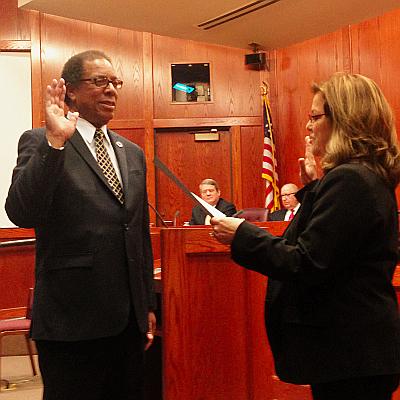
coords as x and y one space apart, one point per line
208 191
315 117
287 194
104 81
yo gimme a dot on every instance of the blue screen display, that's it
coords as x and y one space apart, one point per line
184 88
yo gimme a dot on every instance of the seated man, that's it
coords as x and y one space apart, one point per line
290 204
209 192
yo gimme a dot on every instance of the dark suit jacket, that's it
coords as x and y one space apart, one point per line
278 215
331 310
199 215
93 255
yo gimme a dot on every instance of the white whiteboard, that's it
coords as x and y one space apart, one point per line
16 109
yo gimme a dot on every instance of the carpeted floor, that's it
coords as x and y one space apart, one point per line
17 370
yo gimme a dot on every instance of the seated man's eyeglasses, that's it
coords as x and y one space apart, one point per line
104 81
287 194
208 191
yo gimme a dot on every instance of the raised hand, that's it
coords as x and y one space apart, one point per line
151 330
58 128
307 164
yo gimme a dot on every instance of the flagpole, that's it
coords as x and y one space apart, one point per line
264 95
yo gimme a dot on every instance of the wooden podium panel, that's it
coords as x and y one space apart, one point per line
214 341
17 266
16 270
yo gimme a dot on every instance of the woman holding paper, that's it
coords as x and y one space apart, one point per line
331 310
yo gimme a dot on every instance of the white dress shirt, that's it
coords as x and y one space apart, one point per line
87 131
288 212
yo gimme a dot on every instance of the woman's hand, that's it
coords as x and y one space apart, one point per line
224 229
151 331
308 165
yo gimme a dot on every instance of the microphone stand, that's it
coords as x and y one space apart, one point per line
158 214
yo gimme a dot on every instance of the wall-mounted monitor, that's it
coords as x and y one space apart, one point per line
190 82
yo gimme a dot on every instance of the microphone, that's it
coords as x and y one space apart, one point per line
157 214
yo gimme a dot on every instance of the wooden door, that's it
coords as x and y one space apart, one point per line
191 161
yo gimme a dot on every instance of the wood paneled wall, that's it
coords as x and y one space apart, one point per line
235 88
192 161
143 61
296 67
16 269
371 48
375 52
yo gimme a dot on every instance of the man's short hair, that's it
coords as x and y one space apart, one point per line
209 181
73 69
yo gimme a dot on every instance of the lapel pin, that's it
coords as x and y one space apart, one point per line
119 144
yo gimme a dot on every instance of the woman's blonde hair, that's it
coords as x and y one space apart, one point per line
363 128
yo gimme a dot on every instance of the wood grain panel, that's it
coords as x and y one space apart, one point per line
252 139
15 45
16 268
375 53
126 124
17 265
212 319
192 162
8 26
203 323
237 167
61 38
17 275
134 135
14 23
7 234
297 67
234 87
206 122
148 112
37 94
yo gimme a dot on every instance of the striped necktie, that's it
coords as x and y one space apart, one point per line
104 161
291 215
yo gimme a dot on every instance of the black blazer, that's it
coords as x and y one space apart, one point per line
199 215
278 215
331 310
93 255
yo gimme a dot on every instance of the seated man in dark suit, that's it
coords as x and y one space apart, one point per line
290 204
210 192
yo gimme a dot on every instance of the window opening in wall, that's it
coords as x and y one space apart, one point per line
190 82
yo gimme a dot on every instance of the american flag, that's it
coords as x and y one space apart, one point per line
269 165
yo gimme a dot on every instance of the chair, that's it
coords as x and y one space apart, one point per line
18 326
254 214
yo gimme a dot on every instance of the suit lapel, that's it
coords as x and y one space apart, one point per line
80 146
293 230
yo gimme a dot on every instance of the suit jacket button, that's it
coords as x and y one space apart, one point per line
126 227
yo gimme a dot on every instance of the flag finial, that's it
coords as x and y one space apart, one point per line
264 88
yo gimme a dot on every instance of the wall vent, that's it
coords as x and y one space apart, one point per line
236 13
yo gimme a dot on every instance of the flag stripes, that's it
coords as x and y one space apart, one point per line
269 165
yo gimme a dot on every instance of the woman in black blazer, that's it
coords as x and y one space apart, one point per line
331 310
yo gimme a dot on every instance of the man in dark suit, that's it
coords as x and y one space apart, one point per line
210 192
93 303
290 204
